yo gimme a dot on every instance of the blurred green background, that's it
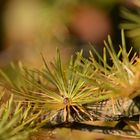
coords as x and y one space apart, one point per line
31 27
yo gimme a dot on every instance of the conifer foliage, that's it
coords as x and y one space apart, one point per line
73 94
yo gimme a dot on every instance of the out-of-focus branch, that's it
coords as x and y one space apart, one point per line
94 128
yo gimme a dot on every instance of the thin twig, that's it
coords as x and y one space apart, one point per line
94 128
